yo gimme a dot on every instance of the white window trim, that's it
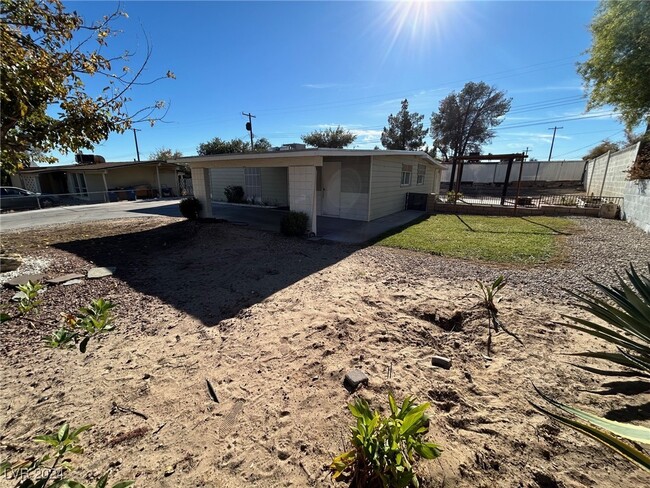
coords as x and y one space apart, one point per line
405 172
422 175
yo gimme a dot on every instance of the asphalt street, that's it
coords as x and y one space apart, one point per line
88 213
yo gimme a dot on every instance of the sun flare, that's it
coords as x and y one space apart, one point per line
414 24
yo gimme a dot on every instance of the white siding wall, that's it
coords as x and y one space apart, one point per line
275 190
354 206
201 182
387 196
302 191
220 178
355 182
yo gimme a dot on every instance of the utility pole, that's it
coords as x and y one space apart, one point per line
249 126
553 140
135 136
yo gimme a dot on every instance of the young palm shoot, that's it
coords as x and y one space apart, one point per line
489 294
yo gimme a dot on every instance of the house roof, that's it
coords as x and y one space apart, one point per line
96 166
301 153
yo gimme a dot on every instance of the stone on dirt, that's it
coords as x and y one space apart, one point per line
73 282
354 379
100 272
9 262
63 278
24 279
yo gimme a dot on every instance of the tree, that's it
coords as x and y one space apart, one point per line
405 130
220 146
260 145
47 55
465 120
601 149
618 68
164 153
334 138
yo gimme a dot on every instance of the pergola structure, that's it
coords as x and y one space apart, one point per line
511 158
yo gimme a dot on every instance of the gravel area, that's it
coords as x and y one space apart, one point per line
598 250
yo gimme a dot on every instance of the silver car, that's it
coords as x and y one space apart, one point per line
12 198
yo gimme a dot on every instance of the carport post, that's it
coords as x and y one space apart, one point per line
158 180
105 187
203 190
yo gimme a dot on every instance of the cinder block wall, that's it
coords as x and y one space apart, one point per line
609 172
636 204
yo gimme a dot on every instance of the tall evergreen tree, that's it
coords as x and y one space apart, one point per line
405 130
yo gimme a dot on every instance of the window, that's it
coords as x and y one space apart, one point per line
253 183
79 184
422 171
407 169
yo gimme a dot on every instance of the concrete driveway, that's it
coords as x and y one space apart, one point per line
268 219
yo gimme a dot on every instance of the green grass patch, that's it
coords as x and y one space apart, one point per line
526 240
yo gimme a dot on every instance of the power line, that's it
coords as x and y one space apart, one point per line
590 145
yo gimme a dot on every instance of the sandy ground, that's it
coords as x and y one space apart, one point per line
274 324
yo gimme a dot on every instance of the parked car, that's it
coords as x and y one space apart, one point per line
12 198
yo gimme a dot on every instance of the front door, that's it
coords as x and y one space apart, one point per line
331 189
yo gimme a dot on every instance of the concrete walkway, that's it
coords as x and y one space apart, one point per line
329 228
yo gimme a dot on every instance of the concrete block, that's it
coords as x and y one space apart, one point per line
354 379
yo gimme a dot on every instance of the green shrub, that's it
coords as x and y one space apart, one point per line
385 449
453 197
234 194
49 470
91 321
29 301
190 208
294 224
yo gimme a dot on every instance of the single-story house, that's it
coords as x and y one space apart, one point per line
103 181
344 183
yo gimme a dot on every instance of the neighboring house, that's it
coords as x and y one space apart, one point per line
344 183
103 181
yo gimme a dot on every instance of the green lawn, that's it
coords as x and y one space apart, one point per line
528 240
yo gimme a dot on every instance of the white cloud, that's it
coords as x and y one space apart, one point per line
321 86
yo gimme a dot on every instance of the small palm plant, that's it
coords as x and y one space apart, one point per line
489 295
385 449
625 316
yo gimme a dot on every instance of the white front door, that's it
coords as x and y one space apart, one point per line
331 189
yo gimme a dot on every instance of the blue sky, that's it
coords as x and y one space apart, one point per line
300 66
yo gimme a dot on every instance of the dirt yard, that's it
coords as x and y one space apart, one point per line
274 324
